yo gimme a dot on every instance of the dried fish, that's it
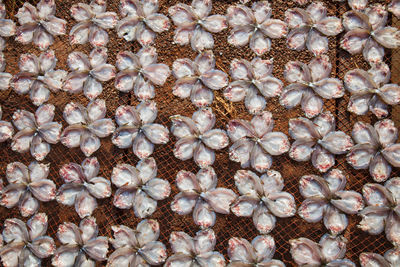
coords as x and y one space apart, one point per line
6 129
38 77
27 187
325 198
5 78
35 131
199 193
310 28
81 246
27 243
138 130
140 72
317 140
139 188
88 72
390 259
259 252
93 21
86 126
82 186
7 27
328 252
39 24
382 210
394 7
263 199
254 143
255 26
196 137
194 25
141 21
194 251
375 148
309 84
251 78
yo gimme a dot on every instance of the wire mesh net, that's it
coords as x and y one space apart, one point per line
168 166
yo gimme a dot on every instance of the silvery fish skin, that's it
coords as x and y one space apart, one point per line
371 90
7 26
328 252
252 81
325 198
137 129
366 31
35 131
254 26
310 27
6 129
196 137
382 210
263 199
375 148
27 187
26 244
194 25
259 252
86 126
390 259
309 85
140 72
82 186
80 245
199 194
394 7
139 188
317 140
198 79
254 142
5 78
88 73
93 21
194 251
37 77
141 21
137 247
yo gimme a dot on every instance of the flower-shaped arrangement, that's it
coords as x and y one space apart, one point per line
138 247
255 26
317 140
310 28
139 188
196 137
381 212
6 128
198 250
251 78
367 33
88 72
38 24
390 259
263 199
141 21
38 77
140 72
376 149
7 26
194 25
325 198
5 77
254 143
199 193
370 90
36 131
309 83
138 130
93 21
27 187
197 79
82 186
259 252
81 246
328 252
86 126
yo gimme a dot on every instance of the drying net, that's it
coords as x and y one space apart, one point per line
168 166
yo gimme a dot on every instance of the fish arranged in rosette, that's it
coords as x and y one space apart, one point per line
7 26
390 259
6 128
